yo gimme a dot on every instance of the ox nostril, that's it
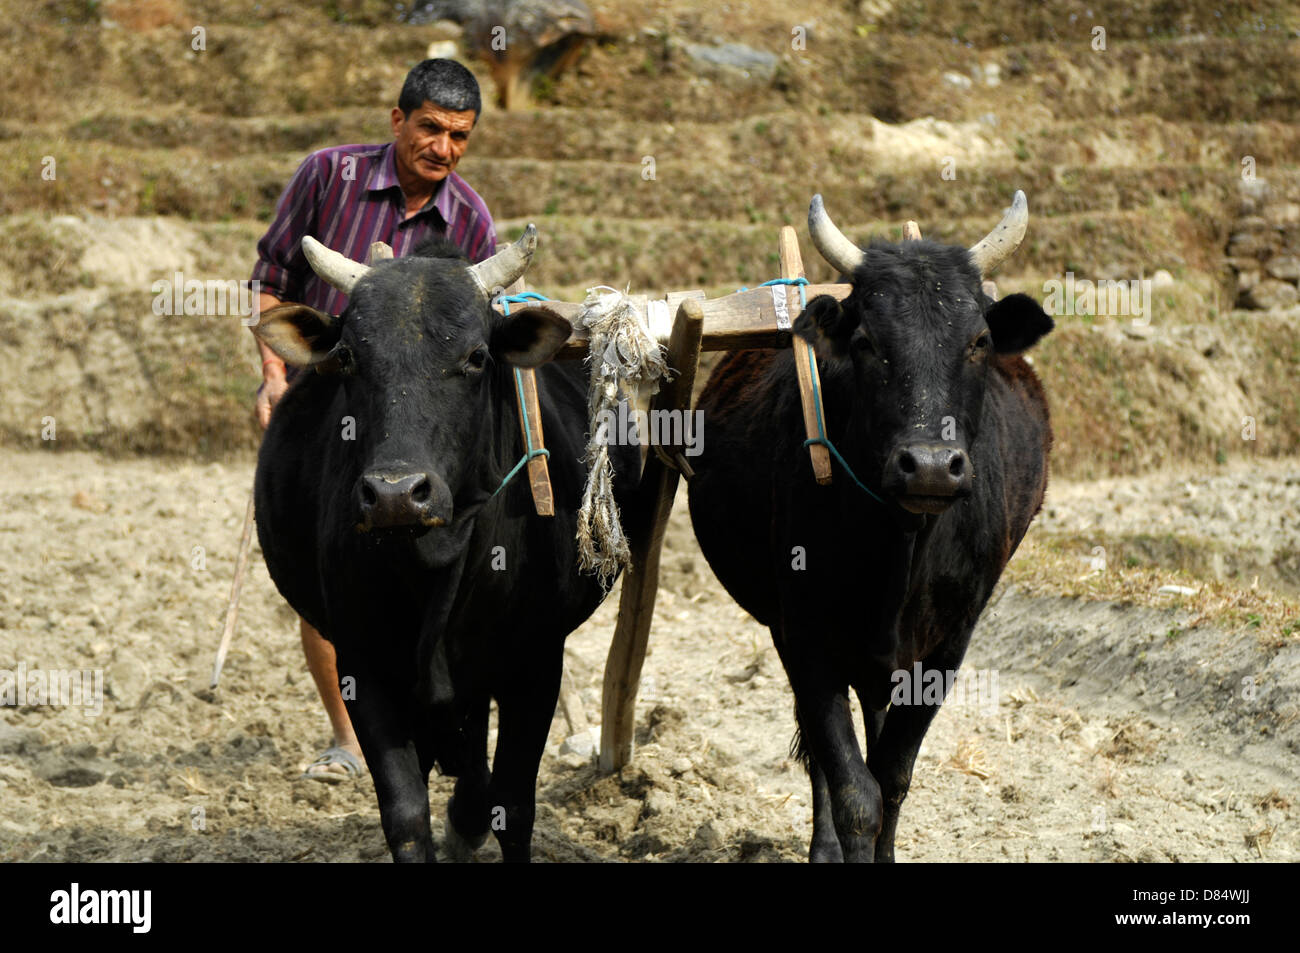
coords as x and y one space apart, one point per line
368 497
907 462
957 465
421 491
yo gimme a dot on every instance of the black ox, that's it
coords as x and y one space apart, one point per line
379 515
946 426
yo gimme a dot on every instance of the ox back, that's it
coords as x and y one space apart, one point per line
856 589
432 622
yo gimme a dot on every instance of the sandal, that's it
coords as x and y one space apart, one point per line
335 755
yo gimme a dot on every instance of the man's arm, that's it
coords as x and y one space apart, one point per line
273 370
295 216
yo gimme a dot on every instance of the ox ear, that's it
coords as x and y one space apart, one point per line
824 325
301 335
530 337
1017 323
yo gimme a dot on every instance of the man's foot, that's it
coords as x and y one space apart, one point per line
337 764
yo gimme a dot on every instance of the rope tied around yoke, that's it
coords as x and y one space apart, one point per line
622 354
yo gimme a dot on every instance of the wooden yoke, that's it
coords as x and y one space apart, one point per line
809 384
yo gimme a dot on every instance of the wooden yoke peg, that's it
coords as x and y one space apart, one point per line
809 382
530 409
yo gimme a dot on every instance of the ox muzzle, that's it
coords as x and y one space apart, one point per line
928 477
401 498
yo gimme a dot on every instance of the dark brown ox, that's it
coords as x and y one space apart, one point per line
943 433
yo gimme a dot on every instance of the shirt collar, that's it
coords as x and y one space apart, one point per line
383 176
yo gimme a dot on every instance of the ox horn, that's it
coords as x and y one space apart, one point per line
508 265
996 247
830 241
339 270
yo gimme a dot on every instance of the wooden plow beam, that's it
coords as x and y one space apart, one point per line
761 317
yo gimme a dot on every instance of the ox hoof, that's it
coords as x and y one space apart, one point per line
456 848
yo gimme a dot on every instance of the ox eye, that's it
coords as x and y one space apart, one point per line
477 360
862 343
339 361
980 344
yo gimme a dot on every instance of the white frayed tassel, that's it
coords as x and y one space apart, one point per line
622 354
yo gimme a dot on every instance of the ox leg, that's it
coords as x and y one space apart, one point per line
401 785
825 847
892 758
874 723
826 725
467 810
525 712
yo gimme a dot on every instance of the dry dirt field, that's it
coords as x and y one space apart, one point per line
1110 740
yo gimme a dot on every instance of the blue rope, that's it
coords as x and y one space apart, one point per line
529 453
801 282
520 298
821 437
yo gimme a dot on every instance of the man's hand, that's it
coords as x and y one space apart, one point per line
273 382
268 395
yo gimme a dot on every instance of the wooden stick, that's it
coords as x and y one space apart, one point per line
644 523
539 474
232 608
530 410
809 382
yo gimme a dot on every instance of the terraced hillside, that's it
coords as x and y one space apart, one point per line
167 158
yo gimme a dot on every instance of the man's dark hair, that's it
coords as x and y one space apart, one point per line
442 82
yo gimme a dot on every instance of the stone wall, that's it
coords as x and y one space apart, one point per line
1264 247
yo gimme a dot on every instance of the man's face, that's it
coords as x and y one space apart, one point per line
431 140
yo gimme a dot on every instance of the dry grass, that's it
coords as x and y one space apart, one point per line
1044 567
1274 800
1130 740
1108 777
970 758
1124 406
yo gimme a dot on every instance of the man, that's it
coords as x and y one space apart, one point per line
348 197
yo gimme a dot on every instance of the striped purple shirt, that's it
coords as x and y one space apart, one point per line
348 197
